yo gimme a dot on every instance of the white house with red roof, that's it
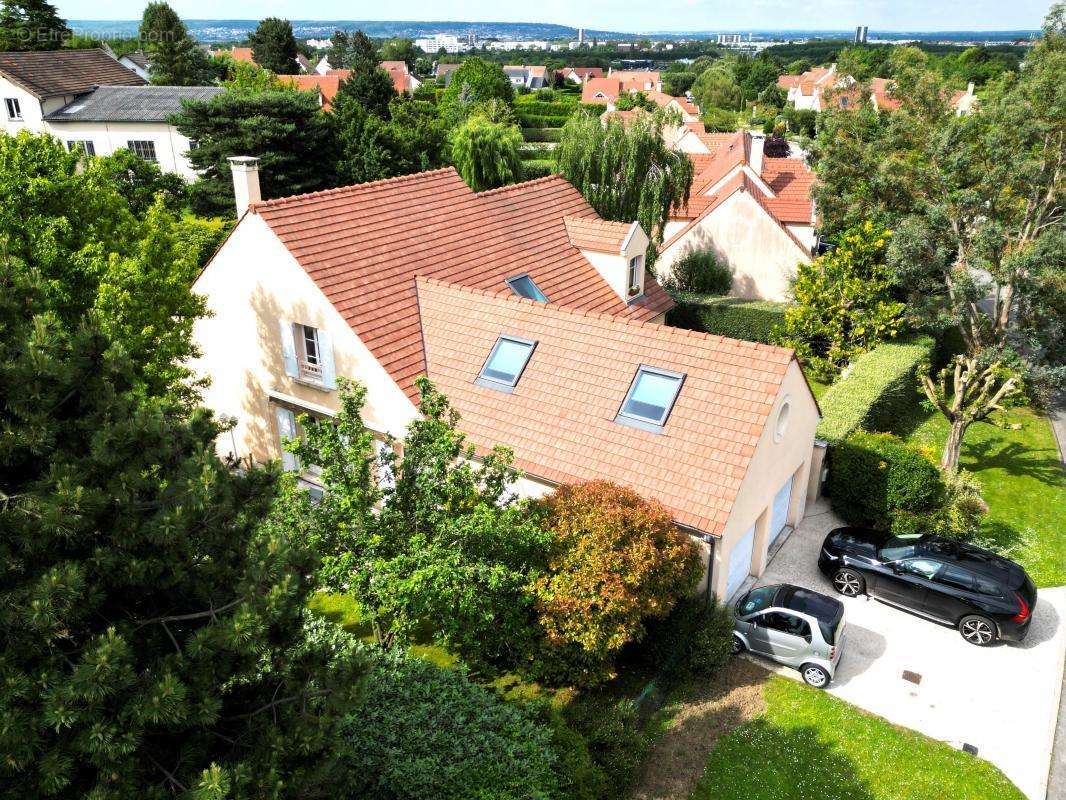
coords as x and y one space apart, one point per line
548 339
754 212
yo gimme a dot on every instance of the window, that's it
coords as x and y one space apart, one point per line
286 430
956 578
782 420
756 600
308 355
505 363
634 274
143 148
786 623
523 286
650 398
921 567
14 110
385 464
87 147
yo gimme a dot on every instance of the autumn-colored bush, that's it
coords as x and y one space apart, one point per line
616 560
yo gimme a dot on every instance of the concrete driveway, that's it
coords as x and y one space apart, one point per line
1002 700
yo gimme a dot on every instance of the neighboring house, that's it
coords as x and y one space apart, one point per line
244 55
637 80
322 67
806 92
531 77
755 213
326 85
402 80
530 331
36 83
304 64
444 72
135 117
964 102
823 88
139 62
579 75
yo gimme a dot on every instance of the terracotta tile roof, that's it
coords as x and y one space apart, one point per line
600 90
364 245
788 81
241 54
54 73
881 88
732 151
326 85
400 74
581 72
560 418
791 180
637 79
597 234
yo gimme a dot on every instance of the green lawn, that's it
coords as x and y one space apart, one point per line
818 387
1023 483
810 745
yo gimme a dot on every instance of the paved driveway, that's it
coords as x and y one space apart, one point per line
1003 700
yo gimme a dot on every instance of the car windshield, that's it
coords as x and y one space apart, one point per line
756 600
898 547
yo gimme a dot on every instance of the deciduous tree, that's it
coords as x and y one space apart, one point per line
486 153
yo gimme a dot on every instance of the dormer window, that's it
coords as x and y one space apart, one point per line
650 398
524 286
505 363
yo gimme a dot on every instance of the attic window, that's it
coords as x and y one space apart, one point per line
505 363
650 398
524 286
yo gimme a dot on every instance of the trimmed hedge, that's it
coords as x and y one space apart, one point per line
541 120
537 169
535 153
879 481
880 389
540 107
542 134
752 320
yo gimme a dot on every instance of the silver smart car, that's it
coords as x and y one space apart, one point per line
795 626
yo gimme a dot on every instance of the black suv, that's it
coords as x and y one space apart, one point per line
987 597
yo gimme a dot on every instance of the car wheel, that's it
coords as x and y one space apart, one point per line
849 583
815 676
980 631
738 645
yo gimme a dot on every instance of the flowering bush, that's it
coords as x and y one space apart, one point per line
616 559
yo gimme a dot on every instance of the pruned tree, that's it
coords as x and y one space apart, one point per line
975 393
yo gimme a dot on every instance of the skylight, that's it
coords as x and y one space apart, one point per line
505 363
523 286
650 398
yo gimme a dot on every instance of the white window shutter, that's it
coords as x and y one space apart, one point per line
329 371
288 349
286 430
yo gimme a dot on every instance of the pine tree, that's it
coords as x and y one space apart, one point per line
155 635
31 25
177 60
355 51
274 46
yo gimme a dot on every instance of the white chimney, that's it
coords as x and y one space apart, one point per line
245 170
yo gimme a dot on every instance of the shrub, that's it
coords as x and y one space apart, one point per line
877 480
538 108
534 169
720 120
694 641
878 391
776 146
613 736
751 320
542 134
703 272
419 731
963 510
545 94
616 559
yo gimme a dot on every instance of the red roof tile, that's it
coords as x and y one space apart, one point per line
560 418
365 244
791 180
326 85
597 234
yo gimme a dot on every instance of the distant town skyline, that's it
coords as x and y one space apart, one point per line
621 15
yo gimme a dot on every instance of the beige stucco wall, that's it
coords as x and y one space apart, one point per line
773 463
763 256
171 148
614 267
33 110
252 283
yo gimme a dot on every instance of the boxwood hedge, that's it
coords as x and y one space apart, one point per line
530 120
542 134
880 389
537 169
753 320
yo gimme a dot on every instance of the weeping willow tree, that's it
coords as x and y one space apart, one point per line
486 153
625 171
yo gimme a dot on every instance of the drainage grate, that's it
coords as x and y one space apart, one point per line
912 677
969 748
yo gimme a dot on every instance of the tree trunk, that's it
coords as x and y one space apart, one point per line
949 461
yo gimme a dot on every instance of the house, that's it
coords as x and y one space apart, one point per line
579 75
806 91
109 118
403 81
139 62
754 212
34 84
641 80
607 90
244 55
444 72
548 339
964 102
303 63
326 85
531 77
322 67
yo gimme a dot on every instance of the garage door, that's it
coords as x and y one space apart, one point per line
780 515
740 562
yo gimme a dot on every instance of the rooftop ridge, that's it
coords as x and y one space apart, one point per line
521 185
350 188
685 333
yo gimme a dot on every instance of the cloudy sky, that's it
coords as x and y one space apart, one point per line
624 15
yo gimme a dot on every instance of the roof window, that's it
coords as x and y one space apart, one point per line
505 363
650 398
524 286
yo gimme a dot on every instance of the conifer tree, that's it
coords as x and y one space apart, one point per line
274 46
31 25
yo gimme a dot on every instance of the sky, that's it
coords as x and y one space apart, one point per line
619 15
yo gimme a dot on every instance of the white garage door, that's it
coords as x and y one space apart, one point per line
740 562
780 515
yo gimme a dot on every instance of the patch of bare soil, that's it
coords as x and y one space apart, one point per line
698 716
